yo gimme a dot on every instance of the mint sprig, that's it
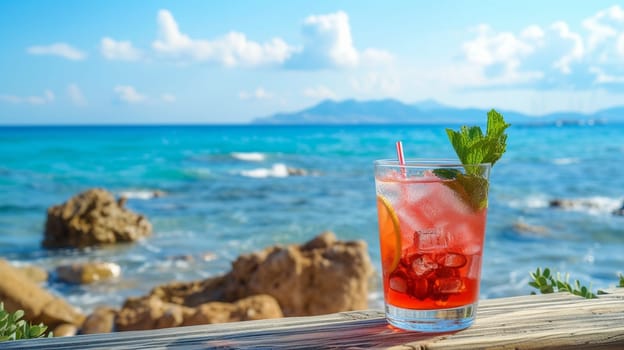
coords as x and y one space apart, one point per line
474 148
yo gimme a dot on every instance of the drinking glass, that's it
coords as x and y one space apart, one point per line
432 215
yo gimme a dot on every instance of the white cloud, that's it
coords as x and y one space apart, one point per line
119 50
128 94
231 50
328 43
258 94
320 92
605 78
576 51
58 49
75 95
599 31
168 98
504 49
47 97
556 56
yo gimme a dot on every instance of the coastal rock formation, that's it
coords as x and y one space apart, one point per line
152 313
88 272
65 330
18 292
101 320
91 218
321 276
34 273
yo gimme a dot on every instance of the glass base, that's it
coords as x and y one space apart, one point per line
434 321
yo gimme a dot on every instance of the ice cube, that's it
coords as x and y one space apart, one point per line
423 265
398 284
398 280
448 285
453 260
430 239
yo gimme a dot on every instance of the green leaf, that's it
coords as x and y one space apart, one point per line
473 148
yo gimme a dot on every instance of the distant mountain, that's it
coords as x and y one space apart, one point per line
390 111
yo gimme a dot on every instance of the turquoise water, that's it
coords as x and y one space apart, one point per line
227 193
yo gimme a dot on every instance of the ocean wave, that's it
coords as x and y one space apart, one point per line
142 194
277 170
249 156
532 201
197 173
565 161
596 205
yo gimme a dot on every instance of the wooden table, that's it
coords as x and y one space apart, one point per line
552 321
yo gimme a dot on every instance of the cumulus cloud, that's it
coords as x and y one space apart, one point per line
75 95
231 50
327 43
320 92
129 94
119 50
47 97
551 56
258 94
58 49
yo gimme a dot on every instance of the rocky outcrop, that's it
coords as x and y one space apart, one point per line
34 273
152 313
92 218
18 292
101 320
322 276
88 272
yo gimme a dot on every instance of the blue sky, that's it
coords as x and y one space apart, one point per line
137 62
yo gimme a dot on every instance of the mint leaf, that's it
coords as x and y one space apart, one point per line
474 148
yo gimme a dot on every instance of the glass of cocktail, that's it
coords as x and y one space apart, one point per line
432 216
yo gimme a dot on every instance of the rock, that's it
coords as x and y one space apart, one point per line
523 227
34 273
322 276
91 218
560 203
20 293
88 272
65 330
101 320
150 313
257 307
297 172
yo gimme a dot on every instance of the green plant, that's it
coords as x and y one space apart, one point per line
621 285
546 283
12 327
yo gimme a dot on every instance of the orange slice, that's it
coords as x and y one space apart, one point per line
389 235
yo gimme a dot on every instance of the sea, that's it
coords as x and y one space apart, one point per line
215 192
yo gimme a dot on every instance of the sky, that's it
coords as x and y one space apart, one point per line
228 62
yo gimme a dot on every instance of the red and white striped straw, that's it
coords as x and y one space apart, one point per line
399 149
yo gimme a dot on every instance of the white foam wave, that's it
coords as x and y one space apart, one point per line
596 205
277 170
141 194
565 161
249 156
532 201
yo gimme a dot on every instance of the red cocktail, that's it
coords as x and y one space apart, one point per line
431 226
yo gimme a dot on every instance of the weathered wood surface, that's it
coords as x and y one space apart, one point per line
553 321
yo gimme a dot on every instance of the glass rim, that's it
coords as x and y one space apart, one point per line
426 163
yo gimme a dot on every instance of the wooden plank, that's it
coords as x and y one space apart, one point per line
552 321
